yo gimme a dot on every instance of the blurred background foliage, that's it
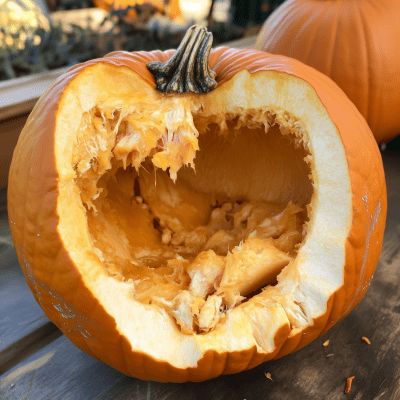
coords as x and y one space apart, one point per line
41 35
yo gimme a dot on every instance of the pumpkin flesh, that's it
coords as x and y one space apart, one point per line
194 242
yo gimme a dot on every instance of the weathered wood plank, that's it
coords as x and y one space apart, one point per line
58 371
22 321
27 345
392 171
18 96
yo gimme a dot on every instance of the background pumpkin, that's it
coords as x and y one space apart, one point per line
328 278
173 6
354 42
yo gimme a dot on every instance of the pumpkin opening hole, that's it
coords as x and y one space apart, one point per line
197 212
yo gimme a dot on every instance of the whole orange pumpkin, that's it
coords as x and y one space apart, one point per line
156 269
354 42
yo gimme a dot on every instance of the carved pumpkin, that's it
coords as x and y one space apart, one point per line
171 274
355 42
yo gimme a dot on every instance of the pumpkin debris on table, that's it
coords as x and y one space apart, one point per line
180 236
349 381
366 340
269 376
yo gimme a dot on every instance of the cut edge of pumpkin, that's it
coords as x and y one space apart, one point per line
298 298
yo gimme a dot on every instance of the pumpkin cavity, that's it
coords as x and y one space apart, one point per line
198 212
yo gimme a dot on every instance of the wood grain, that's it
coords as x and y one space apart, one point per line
18 96
58 371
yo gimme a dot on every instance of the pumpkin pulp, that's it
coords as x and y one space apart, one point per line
196 212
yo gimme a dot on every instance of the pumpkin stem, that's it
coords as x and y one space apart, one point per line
187 70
